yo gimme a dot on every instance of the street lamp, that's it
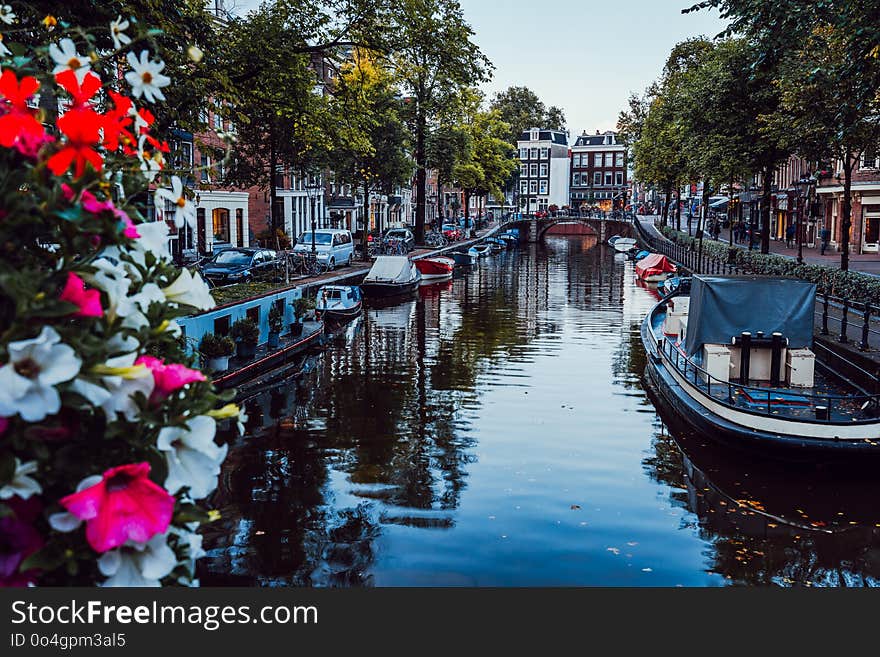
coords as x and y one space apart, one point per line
313 188
803 186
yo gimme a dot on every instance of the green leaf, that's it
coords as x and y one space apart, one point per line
7 467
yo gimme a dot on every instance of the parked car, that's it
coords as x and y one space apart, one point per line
238 265
333 246
452 232
402 234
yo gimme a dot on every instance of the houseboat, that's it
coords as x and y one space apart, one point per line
733 357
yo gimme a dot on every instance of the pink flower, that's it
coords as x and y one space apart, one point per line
88 301
130 231
168 378
91 204
124 506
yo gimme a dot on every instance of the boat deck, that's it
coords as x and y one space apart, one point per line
786 402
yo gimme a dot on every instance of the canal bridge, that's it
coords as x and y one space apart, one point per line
533 229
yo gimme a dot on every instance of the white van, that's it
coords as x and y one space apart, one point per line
333 246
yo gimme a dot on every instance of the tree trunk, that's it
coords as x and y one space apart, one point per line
273 165
440 216
704 215
767 183
421 176
729 206
667 219
847 210
366 230
467 213
678 210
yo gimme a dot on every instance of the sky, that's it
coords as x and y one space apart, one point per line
585 56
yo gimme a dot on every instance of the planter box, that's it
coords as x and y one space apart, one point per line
273 340
245 350
218 364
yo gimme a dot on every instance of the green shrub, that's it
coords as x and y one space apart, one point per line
216 346
246 331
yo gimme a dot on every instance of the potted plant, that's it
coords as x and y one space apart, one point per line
300 307
246 334
216 349
276 324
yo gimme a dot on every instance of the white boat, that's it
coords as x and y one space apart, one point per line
338 303
625 244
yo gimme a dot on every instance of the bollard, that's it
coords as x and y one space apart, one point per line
866 327
843 339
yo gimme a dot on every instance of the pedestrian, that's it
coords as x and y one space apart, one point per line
789 236
826 237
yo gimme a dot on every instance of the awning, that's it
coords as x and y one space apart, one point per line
719 203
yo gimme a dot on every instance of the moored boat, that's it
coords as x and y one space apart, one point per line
391 276
465 258
733 358
482 250
655 268
338 303
625 244
435 268
612 240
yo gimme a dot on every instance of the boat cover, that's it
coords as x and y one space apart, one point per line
722 307
653 264
392 269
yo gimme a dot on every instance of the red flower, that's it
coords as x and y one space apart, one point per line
168 378
18 123
82 93
81 126
88 301
124 506
116 122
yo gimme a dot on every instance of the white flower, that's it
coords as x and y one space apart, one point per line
67 522
138 564
21 484
153 239
134 308
242 421
193 543
35 367
66 57
117 31
4 51
146 78
7 15
190 290
185 210
120 380
193 457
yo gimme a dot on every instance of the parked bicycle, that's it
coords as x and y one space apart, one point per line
306 264
436 239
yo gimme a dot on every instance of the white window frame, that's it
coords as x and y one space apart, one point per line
533 153
618 159
524 187
533 187
597 160
545 186
544 170
545 153
609 179
524 170
597 179
609 159
524 153
618 178
533 170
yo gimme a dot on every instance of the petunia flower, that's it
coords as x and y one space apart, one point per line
18 541
146 78
117 31
114 385
168 378
124 506
7 15
138 564
19 121
185 210
22 484
193 457
35 367
88 301
82 129
190 290
66 57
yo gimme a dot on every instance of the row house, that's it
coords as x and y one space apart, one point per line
865 229
598 172
544 178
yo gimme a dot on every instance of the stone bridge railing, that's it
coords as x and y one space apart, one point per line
534 229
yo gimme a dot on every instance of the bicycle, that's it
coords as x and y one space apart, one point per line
436 239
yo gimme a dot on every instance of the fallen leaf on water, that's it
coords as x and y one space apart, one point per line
614 550
632 543
575 507
647 570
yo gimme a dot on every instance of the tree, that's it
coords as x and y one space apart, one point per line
434 57
521 108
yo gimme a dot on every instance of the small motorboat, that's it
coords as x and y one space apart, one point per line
655 268
338 303
625 244
612 240
482 250
496 244
391 276
435 268
465 258
641 254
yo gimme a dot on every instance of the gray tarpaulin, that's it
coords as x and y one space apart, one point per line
722 307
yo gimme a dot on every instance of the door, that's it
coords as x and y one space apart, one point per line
200 222
871 240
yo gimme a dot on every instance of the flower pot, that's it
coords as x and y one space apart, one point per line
274 337
296 329
218 364
245 349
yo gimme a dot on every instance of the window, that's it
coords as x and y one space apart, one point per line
545 153
597 178
597 160
523 153
533 187
609 160
575 179
533 153
524 170
608 180
870 159
254 314
543 170
618 178
221 325
618 159
523 187
543 187
218 120
204 164
533 170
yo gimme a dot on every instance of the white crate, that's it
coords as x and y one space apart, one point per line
800 368
716 362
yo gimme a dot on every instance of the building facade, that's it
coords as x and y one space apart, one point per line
544 177
598 172
865 230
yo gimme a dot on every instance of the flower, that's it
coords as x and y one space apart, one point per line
153 239
49 22
168 378
6 52
27 381
187 211
138 564
88 301
66 522
146 78
22 485
189 290
82 128
66 57
124 506
193 457
18 122
116 122
121 379
117 31
18 540
82 90
6 14
194 551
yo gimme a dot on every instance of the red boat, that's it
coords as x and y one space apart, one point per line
435 268
654 268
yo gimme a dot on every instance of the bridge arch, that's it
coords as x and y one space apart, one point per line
534 230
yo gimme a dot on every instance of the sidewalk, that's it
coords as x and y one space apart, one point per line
868 263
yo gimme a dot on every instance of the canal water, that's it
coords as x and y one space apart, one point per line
495 431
